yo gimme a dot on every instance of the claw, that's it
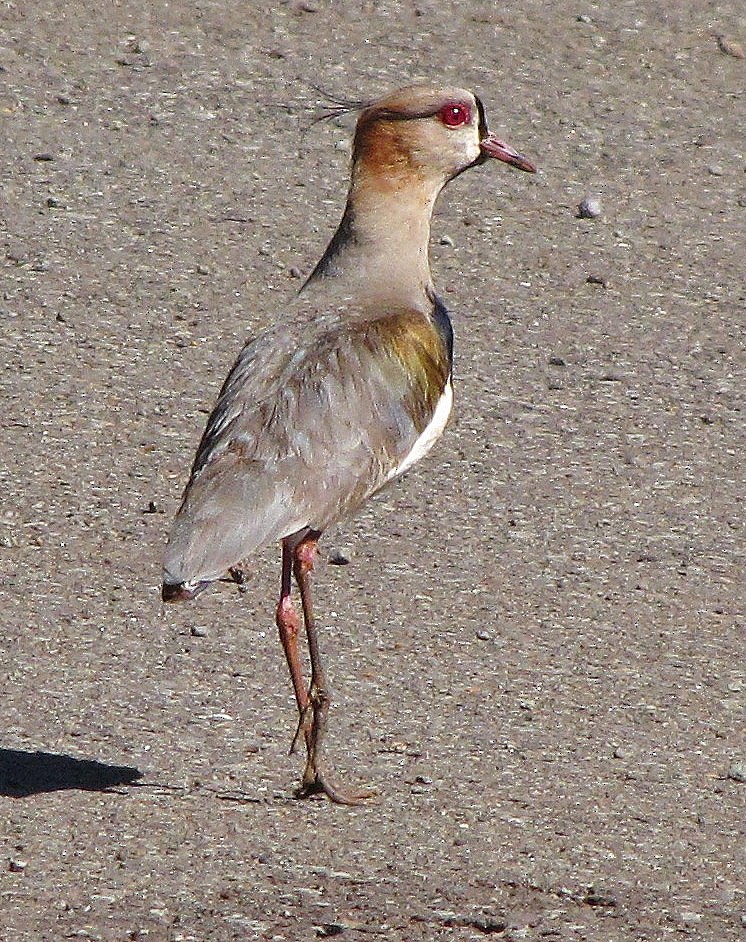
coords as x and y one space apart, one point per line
318 785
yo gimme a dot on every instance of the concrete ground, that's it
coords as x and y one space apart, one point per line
537 649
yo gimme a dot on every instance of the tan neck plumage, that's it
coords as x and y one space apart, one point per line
380 249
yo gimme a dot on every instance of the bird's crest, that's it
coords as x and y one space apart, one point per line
335 106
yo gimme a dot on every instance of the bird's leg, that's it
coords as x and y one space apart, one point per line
288 625
314 781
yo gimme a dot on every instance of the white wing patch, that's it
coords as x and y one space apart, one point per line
431 434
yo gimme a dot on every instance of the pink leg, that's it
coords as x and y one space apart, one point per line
314 781
288 624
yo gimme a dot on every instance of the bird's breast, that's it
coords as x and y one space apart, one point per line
431 433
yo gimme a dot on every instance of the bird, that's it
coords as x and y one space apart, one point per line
348 388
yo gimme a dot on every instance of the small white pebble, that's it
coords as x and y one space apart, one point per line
589 208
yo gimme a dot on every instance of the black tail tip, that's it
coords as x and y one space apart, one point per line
181 591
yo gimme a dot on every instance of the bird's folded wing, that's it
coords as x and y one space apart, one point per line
303 432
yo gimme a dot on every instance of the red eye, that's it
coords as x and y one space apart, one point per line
453 116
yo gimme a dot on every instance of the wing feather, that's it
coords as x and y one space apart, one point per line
303 432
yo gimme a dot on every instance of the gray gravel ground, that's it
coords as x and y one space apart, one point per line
537 649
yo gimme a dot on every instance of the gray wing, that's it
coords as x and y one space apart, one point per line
303 433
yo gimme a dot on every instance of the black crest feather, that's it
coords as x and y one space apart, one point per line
335 106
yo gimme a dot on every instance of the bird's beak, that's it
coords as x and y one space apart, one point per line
493 147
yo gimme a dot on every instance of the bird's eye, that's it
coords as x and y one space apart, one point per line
453 116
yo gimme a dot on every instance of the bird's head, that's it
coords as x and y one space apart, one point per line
428 132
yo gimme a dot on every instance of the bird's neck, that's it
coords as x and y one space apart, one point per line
380 248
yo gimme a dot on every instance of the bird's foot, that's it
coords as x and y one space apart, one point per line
317 784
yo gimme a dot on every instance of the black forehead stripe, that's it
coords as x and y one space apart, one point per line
390 115
386 115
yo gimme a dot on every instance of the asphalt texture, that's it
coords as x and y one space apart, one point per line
537 646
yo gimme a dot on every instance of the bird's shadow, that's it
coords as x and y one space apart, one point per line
23 774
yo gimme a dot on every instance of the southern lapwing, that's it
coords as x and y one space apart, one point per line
346 391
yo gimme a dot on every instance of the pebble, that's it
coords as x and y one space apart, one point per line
557 361
483 635
340 557
589 208
330 929
487 925
730 47
716 170
445 240
197 631
737 771
295 272
597 897
17 866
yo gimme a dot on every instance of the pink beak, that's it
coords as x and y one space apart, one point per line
493 147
